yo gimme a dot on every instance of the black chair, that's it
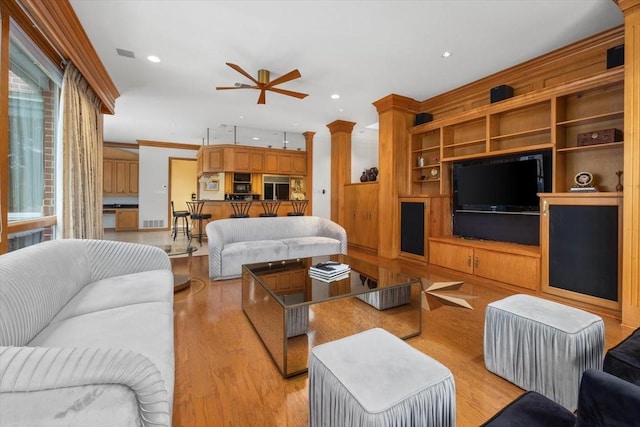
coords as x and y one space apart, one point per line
299 207
185 221
270 207
623 360
603 400
240 209
195 210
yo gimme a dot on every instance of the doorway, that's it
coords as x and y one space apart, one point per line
183 182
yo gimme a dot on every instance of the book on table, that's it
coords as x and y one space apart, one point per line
329 271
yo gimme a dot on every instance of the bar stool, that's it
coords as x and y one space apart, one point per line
270 207
240 209
195 210
299 207
179 214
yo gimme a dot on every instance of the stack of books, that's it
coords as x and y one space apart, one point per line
329 271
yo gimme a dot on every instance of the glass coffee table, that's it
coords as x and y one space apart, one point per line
293 312
180 281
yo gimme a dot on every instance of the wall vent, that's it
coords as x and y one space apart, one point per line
153 223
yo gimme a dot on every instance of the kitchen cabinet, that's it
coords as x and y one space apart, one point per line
299 163
509 263
120 177
270 162
126 219
211 159
361 214
285 163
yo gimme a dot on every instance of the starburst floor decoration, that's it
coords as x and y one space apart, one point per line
438 294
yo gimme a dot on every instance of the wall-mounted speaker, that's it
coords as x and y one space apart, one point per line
423 118
500 93
615 56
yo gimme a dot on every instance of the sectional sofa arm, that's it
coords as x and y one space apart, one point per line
607 400
334 230
24 369
110 258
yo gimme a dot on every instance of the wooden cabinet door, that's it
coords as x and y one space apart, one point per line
284 163
126 219
242 160
271 162
361 214
300 164
133 178
454 257
257 161
212 159
122 177
509 268
108 177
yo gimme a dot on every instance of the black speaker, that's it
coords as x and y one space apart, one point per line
501 92
615 56
423 118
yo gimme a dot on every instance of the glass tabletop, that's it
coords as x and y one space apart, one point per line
178 249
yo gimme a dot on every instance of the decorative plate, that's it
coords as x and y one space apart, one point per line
583 179
435 172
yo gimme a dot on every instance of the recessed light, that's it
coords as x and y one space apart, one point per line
446 54
153 58
255 138
335 96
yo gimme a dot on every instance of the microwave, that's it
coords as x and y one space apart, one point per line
242 187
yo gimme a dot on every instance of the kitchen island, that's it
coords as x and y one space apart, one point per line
222 208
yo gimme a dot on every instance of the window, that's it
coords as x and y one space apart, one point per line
34 88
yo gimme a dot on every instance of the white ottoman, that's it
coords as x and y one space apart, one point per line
375 379
542 346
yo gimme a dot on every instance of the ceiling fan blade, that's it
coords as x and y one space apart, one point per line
243 72
291 75
263 97
298 95
235 87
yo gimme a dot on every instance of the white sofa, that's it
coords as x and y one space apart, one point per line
237 241
86 335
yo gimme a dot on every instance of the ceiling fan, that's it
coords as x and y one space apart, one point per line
263 83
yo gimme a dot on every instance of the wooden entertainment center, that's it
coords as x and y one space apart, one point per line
557 97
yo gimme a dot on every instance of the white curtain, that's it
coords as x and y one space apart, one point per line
82 158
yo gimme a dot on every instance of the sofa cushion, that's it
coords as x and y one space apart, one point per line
89 405
623 360
152 335
149 286
236 254
304 247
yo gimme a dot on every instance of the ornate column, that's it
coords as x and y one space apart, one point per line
308 138
340 165
631 209
396 115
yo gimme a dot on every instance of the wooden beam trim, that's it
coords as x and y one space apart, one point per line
112 144
341 126
160 144
59 23
31 224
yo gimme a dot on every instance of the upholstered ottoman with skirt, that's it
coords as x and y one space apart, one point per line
542 346
375 379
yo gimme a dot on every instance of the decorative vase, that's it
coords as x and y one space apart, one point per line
364 177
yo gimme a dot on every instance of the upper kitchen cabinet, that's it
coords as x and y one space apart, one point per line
239 158
120 173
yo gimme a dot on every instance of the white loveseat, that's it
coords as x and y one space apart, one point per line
86 335
237 241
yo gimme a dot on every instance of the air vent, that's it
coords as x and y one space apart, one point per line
153 223
127 53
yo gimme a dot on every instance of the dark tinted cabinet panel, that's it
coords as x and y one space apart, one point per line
581 243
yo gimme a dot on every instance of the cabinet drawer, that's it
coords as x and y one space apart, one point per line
514 269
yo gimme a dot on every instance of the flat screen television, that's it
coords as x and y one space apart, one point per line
502 184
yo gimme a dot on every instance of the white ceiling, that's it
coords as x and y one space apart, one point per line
363 50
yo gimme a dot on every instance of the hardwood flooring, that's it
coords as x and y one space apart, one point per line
225 377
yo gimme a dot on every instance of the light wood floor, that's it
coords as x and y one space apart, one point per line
225 377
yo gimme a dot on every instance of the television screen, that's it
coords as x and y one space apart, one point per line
503 184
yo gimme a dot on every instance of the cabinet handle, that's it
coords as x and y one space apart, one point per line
469 261
477 262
